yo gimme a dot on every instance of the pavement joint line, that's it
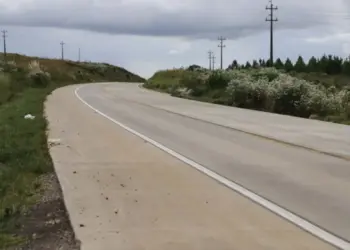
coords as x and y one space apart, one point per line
287 215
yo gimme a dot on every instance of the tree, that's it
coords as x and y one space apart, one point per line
279 64
268 63
300 65
248 65
331 65
323 63
255 64
233 65
193 67
346 67
288 66
334 66
313 65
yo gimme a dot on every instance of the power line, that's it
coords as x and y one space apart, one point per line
270 19
210 57
4 37
62 50
221 46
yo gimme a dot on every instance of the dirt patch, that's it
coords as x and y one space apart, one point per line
46 225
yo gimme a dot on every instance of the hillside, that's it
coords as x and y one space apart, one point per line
58 73
32 212
75 71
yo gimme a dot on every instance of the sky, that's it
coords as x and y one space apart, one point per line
144 36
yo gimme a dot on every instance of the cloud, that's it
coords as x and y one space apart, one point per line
191 18
174 52
346 48
343 37
147 35
180 48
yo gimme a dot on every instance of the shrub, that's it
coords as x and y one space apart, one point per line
285 94
266 89
34 68
249 93
289 91
347 111
194 81
218 79
269 73
38 78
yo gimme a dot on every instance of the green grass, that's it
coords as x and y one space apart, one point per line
10 240
24 157
164 80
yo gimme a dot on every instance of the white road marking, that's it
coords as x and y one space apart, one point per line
291 217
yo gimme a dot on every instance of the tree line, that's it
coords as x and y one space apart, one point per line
331 65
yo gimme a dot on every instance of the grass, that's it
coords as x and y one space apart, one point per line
164 80
10 240
24 154
24 157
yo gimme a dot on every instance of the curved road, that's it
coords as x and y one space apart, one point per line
309 183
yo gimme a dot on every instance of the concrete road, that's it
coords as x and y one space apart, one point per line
123 193
310 184
324 137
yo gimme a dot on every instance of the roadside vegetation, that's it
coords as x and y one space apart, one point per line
296 91
24 157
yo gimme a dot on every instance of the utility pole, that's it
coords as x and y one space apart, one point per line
221 46
62 50
210 57
271 19
79 56
213 61
4 37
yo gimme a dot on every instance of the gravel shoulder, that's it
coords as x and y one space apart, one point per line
46 225
123 193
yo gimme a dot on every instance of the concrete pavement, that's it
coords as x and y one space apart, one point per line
105 172
307 183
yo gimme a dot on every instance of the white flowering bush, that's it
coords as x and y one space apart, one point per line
194 82
38 77
266 89
271 90
34 68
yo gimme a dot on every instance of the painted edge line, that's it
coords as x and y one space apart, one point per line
302 223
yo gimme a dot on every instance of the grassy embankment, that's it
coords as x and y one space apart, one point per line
304 95
24 84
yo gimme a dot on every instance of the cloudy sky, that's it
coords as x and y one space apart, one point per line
146 35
